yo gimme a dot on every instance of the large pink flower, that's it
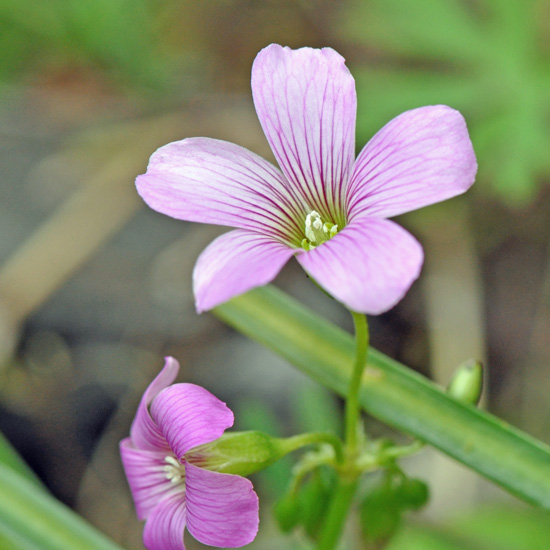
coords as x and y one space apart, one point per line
323 206
169 492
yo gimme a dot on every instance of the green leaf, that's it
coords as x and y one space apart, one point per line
422 538
287 512
504 528
485 528
380 514
10 459
413 493
395 394
314 498
32 519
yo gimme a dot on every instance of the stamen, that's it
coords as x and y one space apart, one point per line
175 470
316 231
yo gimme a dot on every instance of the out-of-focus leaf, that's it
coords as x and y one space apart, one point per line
10 459
31 519
314 409
412 493
287 512
306 507
380 514
488 59
486 528
424 538
505 528
116 36
314 498
385 501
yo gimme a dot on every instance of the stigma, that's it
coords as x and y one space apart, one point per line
316 231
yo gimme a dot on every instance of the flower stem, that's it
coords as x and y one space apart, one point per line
347 483
337 513
301 440
352 401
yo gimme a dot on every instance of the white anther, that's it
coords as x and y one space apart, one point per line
316 231
174 470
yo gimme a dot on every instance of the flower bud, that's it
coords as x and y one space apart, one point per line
467 382
240 453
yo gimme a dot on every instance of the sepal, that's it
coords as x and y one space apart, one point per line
239 453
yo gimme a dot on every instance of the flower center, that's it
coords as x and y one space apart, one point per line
317 232
175 470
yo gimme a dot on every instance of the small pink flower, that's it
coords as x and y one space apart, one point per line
323 206
169 492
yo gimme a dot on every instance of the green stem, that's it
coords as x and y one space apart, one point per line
337 513
352 400
301 440
347 483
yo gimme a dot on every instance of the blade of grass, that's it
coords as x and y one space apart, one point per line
394 393
31 518
11 459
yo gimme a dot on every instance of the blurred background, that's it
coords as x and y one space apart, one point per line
95 288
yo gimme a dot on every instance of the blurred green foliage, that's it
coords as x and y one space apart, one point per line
490 59
486 528
115 36
307 508
385 501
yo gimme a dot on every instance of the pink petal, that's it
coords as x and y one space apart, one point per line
212 181
235 263
306 103
147 477
144 433
419 158
222 508
165 526
368 266
189 415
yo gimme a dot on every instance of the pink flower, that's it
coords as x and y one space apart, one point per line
323 206
169 492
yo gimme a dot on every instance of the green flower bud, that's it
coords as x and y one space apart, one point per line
467 382
240 453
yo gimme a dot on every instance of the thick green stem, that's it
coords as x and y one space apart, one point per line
337 513
352 399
